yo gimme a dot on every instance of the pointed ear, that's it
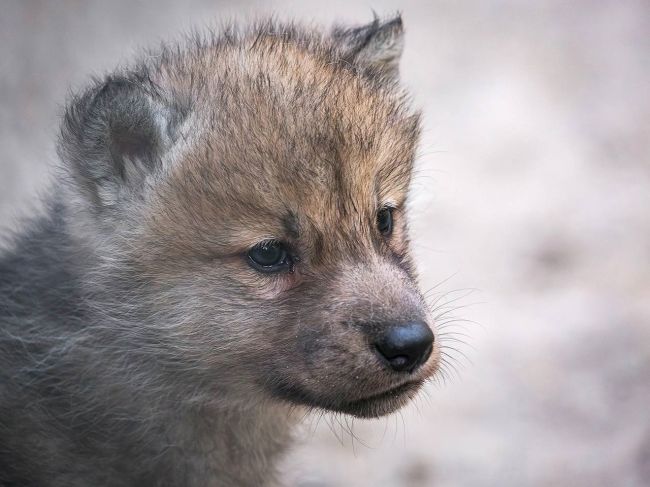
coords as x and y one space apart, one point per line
374 48
114 135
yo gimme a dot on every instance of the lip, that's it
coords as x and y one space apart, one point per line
381 403
372 406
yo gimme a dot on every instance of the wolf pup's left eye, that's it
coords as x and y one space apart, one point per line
270 256
385 221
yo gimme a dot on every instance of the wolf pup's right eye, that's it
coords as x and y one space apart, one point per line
385 221
270 256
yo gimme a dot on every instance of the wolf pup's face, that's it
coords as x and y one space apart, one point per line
251 191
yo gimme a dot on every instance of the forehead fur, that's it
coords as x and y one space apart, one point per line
280 134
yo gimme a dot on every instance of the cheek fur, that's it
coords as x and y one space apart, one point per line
266 286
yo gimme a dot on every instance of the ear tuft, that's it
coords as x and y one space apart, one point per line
114 135
375 48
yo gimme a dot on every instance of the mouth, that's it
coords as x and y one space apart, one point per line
382 403
372 406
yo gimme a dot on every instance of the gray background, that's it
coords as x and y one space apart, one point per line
532 203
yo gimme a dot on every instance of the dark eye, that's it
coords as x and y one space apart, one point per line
270 256
385 221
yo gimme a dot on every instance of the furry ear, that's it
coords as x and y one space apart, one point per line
114 135
375 48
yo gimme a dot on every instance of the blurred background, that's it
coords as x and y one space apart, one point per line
531 216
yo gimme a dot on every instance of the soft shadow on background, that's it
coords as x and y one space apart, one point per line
531 205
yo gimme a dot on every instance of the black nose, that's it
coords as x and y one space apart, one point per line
407 346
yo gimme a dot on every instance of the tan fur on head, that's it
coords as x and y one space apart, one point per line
284 143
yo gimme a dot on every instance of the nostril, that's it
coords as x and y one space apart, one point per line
407 346
400 362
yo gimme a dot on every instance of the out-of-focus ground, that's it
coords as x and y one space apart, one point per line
533 189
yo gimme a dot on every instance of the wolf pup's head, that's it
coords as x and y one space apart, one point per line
244 197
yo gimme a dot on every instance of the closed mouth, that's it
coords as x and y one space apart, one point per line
381 403
371 406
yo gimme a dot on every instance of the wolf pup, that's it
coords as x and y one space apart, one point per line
225 247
